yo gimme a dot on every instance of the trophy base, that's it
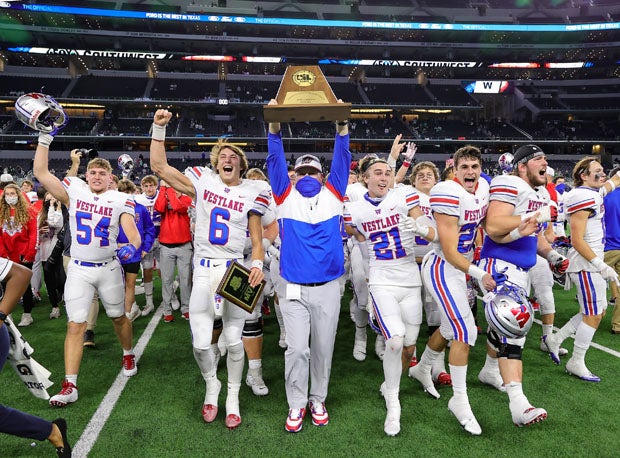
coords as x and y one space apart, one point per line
303 113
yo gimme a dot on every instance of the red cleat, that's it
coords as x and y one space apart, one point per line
443 378
413 362
209 412
232 421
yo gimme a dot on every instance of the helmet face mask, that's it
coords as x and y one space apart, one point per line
40 112
125 163
505 162
508 311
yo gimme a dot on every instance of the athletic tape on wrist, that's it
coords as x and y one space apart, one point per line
257 263
514 234
159 132
476 272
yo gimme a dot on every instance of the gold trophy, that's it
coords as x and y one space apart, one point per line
305 95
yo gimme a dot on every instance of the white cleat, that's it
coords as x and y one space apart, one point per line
174 302
134 312
492 378
580 370
425 378
148 309
391 426
529 416
359 350
551 346
544 347
463 413
255 381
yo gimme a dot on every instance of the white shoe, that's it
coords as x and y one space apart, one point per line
580 370
55 313
282 341
492 378
380 346
133 313
26 320
425 378
552 347
359 350
174 302
391 426
529 416
462 411
139 289
255 381
544 347
148 309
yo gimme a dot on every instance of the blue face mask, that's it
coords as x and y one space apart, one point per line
308 186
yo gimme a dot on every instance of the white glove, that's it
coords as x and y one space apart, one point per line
407 224
606 271
45 139
410 151
274 252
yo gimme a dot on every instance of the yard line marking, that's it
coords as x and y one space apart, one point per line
607 350
88 438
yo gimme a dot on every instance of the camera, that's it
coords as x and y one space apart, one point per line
90 153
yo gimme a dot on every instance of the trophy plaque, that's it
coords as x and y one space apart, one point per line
235 287
305 95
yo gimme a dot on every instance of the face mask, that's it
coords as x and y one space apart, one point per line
11 200
308 186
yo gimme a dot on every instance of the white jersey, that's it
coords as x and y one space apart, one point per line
525 199
451 198
149 203
266 219
355 192
94 220
423 246
222 213
391 251
583 198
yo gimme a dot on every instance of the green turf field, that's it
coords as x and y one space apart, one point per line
158 413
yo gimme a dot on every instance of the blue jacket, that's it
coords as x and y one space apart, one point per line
612 221
311 250
146 228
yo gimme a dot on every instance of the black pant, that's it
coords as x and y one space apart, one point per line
54 276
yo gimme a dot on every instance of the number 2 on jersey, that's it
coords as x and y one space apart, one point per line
383 248
85 233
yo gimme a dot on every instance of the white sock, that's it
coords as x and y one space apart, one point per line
392 363
518 401
583 339
255 363
128 352
148 292
72 379
459 378
547 329
428 357
491 364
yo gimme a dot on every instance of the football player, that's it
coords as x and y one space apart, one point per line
95 215
587 270
389 219
225 211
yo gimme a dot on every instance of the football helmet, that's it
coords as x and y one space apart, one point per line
505 162
508 310
125 163
40 112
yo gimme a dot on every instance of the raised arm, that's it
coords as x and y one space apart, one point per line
159 163
42 173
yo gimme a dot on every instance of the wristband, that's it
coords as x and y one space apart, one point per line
514 234
158 132
406 164
257 263
342 123
476 272
45 139
611 182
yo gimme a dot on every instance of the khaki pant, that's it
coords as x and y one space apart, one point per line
612 259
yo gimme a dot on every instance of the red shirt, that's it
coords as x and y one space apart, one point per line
552 192
175 224
20 244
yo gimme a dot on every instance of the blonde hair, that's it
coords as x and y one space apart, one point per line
424 165
149 179
23 212
126 186
100 163
256 174
222 144
583 166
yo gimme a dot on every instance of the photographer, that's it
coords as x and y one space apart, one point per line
51 233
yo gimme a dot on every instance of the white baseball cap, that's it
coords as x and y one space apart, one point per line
308 161
6 177
550 171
